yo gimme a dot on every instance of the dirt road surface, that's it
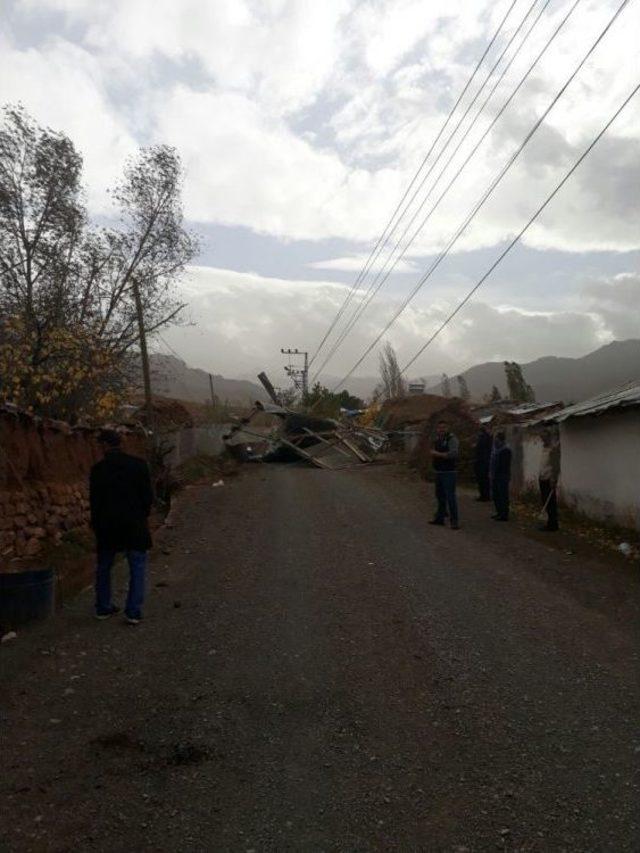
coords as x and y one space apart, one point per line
320 670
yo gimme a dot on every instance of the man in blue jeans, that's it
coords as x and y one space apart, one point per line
445 463
121 497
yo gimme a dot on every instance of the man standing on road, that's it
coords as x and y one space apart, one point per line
501 476
482 462
548 479
121 499
445 462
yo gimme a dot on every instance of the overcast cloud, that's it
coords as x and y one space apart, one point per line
300 124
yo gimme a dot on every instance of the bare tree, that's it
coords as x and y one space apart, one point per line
41 214
76 302
41 224
463 389
393 385
152 249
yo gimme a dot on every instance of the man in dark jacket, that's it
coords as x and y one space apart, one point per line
445 462
501 476
482 463
121 498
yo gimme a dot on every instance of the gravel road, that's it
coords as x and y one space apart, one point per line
320 670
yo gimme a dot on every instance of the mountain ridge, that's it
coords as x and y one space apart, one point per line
172 377
562 377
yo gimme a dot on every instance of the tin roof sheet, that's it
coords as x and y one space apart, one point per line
627 396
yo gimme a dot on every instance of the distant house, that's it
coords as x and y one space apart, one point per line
416 387
600 455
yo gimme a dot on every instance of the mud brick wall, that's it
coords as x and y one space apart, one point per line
44 471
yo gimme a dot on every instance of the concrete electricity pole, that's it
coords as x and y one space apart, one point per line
300 376
214 399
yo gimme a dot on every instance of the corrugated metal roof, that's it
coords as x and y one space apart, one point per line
531 408
273 409
625 397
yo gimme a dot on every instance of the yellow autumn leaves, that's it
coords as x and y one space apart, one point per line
59 371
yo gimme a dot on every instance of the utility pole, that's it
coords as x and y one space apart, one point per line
268 387
213 396
152 438
299 375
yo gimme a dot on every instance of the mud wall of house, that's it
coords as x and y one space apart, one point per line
526 446
601 466
193 441
44 471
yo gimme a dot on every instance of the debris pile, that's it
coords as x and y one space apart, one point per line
416 417
322 442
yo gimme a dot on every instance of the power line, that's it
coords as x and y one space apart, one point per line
384 235
488 192
378 250
378 283
519 236
169 347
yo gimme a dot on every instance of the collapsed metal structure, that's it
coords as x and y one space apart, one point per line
323 442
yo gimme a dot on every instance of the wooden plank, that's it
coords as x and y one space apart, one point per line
334 444
306 455
354 449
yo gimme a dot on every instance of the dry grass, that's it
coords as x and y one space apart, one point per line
203 468
606 537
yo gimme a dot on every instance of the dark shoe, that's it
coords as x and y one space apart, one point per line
107 614
495 517
437 521
133 620
455 526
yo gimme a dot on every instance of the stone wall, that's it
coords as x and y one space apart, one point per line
44 471
32 515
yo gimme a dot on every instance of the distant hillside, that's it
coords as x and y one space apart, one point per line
171 377
364 386
567 379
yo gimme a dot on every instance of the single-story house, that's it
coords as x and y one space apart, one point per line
516 420
600 455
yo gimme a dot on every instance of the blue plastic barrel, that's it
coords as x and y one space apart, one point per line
25 596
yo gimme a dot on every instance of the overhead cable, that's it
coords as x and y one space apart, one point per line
523 231
384 237
378 282
489 191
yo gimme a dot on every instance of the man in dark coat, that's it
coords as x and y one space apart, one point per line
501 476
482 463
121 498
445 462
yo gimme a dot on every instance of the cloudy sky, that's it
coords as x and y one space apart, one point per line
301 123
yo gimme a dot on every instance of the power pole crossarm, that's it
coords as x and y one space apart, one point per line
300 375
